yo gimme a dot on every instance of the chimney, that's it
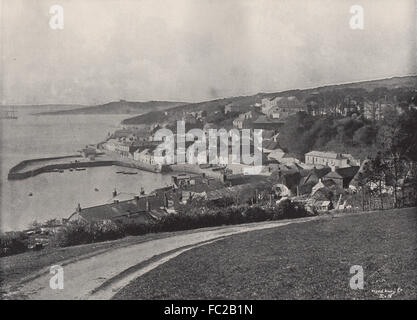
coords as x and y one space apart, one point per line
78 210
165 200
148 205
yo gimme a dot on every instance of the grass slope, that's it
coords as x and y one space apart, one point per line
301 261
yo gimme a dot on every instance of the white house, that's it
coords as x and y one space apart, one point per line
329 159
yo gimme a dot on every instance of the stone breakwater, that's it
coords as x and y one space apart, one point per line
32 167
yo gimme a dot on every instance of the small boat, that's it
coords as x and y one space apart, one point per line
80 169
95 189
71 169
61 171
130 172
30 194
120 172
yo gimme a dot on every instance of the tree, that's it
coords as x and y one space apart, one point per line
365 135
397 140
377 177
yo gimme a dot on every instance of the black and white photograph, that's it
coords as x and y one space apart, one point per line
208 154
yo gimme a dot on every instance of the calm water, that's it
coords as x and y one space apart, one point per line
55 195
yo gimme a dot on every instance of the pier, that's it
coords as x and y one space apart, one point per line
33 167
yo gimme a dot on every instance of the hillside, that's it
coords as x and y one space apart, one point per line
311 260
119 107
245 101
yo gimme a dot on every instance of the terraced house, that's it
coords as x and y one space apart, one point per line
330 159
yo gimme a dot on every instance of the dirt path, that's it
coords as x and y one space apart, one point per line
103 275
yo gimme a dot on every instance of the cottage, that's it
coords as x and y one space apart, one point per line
311 179
322 185
323 206
138 210
276 154
342 176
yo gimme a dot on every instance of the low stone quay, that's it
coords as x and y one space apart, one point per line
32 167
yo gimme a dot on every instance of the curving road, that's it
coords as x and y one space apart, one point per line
101 276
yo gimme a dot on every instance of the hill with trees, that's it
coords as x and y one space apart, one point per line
119 107
318 99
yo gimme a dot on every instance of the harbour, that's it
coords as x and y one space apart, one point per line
55 194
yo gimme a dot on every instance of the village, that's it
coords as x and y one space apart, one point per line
319 181
175 153
322 181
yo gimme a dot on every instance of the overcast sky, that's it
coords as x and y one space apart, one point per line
192 50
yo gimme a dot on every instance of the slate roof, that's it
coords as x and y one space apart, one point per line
136 208
323 154
267 134
270 144
342 173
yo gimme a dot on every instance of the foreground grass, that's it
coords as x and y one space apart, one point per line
301 261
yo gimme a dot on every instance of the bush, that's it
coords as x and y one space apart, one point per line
13 243
256 214
81 232
189 217
289 210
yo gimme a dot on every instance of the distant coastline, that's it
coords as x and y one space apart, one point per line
117 107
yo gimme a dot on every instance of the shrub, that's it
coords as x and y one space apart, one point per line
289 210
13 243
81 232
256 214
188 217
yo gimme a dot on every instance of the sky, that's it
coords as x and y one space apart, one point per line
194 50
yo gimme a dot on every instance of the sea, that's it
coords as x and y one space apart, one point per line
56 195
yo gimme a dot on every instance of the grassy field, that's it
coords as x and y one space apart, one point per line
301 261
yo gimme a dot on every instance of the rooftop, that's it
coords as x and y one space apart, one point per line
325 154
341 173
